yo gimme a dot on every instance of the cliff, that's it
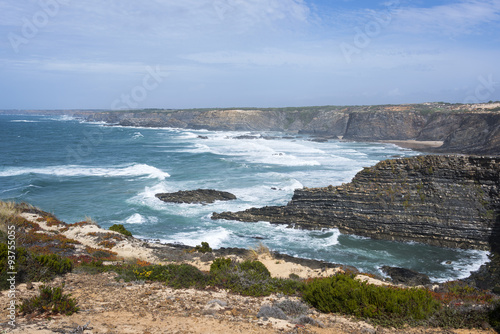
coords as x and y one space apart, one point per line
450 201
470 129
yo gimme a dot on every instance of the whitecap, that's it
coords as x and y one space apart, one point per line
137 135
23 121
215 237
78 170
136 218
469 262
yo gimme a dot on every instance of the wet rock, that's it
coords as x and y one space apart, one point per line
406 276
196 196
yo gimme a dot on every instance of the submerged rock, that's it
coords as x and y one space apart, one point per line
198 196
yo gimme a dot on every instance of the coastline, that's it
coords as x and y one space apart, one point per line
111 306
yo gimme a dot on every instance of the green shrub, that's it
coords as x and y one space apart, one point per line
494 318
30 267
249 278
255 268
220 264
49 300
120 229
55 263
344 294
204 248
175 275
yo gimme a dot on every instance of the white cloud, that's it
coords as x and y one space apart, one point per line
265 57
451 19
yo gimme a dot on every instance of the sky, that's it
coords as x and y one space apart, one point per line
126 54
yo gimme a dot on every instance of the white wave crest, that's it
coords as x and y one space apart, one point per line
76 170
23 121
215 237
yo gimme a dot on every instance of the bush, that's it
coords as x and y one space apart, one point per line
49 300
55 263
220 265
344 294
204 248
174 275
494 318
249 278
120 229
31 267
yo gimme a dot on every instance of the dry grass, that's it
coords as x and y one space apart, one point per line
90 220
8 211
254 253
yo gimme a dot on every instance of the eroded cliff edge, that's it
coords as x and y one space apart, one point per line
441 200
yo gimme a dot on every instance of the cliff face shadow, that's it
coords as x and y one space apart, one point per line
495 236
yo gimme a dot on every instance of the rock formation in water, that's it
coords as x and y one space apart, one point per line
469 129
450 201
196 196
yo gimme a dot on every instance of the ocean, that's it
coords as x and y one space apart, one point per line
76 169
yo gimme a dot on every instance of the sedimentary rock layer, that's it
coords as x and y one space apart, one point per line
450 201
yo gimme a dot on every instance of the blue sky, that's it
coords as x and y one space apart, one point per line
116 54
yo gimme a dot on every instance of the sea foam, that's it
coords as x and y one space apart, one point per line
76 170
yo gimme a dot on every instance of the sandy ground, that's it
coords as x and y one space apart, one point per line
111 306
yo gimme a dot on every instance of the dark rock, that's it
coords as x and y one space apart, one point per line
406 276
196 196
247 137
203 137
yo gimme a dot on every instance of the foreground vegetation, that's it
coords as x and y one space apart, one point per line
41 257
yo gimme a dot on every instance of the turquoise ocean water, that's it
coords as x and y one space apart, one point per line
111 174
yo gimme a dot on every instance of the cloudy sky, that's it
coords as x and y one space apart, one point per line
116 54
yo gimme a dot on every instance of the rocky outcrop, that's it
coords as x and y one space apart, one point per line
450 201
406 276
196 196
470 129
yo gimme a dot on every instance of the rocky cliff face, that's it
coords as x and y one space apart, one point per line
450 201
462 130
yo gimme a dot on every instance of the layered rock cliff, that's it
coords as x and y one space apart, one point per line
450 201
470 129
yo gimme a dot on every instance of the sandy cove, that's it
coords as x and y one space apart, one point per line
111 306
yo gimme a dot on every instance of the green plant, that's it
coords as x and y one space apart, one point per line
249 278
494 318
55 263
174 275
50 300
344 294
29 266
220 265
204 248
120 229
